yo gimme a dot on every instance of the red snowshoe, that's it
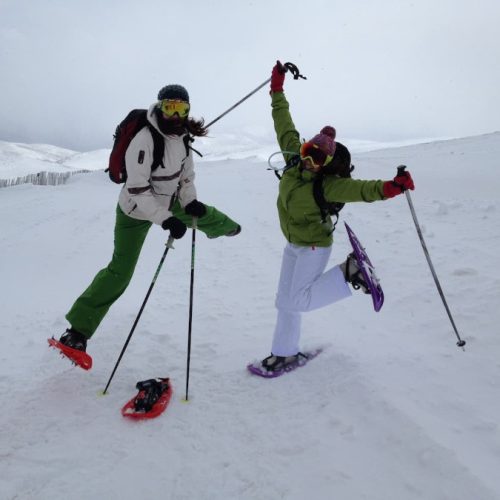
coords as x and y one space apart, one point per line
152 399
73 347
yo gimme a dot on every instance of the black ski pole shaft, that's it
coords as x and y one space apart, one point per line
286 67
190 321
460 343
168 245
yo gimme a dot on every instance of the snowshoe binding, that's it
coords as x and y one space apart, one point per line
274 366
353 274
151 400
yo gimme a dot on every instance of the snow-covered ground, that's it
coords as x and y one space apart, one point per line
391 410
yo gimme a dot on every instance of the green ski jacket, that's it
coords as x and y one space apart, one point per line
300 217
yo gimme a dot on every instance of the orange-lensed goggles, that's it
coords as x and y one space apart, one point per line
310 151
171 107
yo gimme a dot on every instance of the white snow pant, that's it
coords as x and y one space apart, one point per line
303 286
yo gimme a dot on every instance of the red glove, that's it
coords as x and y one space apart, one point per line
278 77
398 185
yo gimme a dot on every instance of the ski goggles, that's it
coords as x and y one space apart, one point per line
310 151
171 107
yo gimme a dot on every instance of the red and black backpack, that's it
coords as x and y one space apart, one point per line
135 121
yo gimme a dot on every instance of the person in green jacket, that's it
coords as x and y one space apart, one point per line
303 284
165 196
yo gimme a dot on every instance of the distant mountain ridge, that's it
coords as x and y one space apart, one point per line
20 161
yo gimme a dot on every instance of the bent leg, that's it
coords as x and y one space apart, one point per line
311 287
109 284
303 286
214 223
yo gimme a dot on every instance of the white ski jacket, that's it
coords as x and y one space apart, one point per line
149 195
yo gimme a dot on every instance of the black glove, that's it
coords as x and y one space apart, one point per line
176 227
195 208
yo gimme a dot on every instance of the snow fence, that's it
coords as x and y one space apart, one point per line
42 178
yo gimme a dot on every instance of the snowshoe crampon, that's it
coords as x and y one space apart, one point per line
152 399
77 357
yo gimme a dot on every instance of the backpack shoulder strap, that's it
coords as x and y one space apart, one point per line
326 207
188 139
158 147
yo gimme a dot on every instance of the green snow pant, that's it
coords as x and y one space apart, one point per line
108 285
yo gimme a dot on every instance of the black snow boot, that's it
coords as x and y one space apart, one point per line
353 274
279 363
74 339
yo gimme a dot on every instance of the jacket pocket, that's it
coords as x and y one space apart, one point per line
129 205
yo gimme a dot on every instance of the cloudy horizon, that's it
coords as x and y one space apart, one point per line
381 71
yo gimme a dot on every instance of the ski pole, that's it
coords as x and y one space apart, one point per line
168 245
460 343
288 67
190 321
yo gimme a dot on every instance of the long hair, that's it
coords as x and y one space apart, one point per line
190 125
196 127
341 162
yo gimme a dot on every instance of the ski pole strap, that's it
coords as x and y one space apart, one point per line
294 71
326 207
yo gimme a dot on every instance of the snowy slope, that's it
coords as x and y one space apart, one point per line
19 160
392 409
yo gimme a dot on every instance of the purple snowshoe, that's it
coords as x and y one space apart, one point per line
275 366
367 270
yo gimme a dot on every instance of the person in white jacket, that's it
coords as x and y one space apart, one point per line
165 196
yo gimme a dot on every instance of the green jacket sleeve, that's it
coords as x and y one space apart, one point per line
343 190
287 135
214 223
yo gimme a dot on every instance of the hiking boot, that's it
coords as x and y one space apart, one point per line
281 363
74 339
353 274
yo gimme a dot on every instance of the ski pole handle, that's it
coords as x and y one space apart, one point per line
170 242
401 169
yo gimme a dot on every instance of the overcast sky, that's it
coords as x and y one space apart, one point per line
379 70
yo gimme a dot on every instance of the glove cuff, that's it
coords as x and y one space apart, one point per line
391 189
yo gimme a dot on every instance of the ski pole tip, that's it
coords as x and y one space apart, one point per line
461 343
102 393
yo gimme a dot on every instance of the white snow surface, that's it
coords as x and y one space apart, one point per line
392 408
